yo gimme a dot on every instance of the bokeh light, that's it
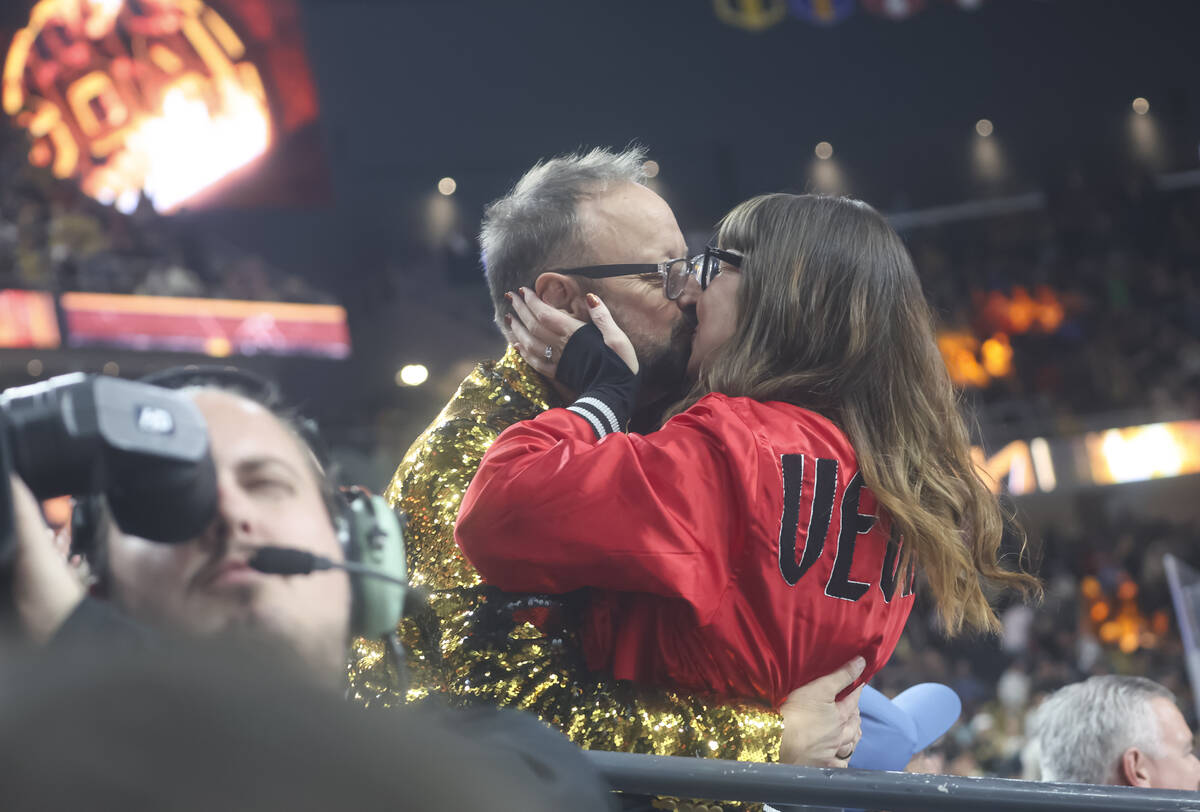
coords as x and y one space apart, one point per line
412 375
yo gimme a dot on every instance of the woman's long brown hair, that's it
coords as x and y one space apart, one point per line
831 317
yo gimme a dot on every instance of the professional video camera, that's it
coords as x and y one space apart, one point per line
143 447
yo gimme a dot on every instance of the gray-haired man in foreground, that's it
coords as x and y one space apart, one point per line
1119 731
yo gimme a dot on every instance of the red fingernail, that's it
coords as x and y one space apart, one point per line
508 296
593 300
508 319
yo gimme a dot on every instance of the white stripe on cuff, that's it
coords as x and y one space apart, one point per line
604 409
597 426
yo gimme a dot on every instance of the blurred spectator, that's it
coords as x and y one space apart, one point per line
1116 730
1002 683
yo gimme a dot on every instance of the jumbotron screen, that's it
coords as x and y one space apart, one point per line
176 100
28 320
1111 457
213 327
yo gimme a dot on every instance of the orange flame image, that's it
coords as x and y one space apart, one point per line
158 99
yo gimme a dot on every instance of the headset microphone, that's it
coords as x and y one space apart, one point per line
285 561
289 561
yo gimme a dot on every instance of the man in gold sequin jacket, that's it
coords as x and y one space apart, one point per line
572 225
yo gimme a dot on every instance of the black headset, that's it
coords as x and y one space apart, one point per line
368 529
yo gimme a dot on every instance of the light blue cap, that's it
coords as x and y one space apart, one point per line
895 730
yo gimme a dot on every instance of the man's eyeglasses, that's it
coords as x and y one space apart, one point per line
675 272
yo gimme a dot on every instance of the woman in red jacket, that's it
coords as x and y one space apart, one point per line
772 528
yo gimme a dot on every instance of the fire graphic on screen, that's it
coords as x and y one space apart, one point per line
130 97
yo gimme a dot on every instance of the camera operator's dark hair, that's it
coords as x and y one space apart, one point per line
243 384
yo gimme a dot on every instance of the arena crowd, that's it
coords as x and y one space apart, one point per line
676 640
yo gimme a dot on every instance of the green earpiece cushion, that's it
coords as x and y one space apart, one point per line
378 539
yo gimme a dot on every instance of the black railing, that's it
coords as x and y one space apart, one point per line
781 785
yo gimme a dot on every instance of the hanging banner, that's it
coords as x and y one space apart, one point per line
759 15
893 9
822 12
751 15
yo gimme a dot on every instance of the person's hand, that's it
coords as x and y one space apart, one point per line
45 587
542 331
818 729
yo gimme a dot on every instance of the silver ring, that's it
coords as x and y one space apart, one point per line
549 353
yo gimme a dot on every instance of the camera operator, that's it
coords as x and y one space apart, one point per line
271 491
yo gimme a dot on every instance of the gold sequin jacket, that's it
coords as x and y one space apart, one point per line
476 644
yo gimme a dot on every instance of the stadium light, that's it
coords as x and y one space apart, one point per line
984 127
824 150
412 375
651 169
1141 106
447 186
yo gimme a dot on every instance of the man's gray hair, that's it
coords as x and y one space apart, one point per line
535 227
1084 728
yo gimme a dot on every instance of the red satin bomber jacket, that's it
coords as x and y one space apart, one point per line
735 550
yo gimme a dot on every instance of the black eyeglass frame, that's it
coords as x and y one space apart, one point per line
707 266
663 269
704 266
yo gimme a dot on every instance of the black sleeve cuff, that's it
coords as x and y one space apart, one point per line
608 387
